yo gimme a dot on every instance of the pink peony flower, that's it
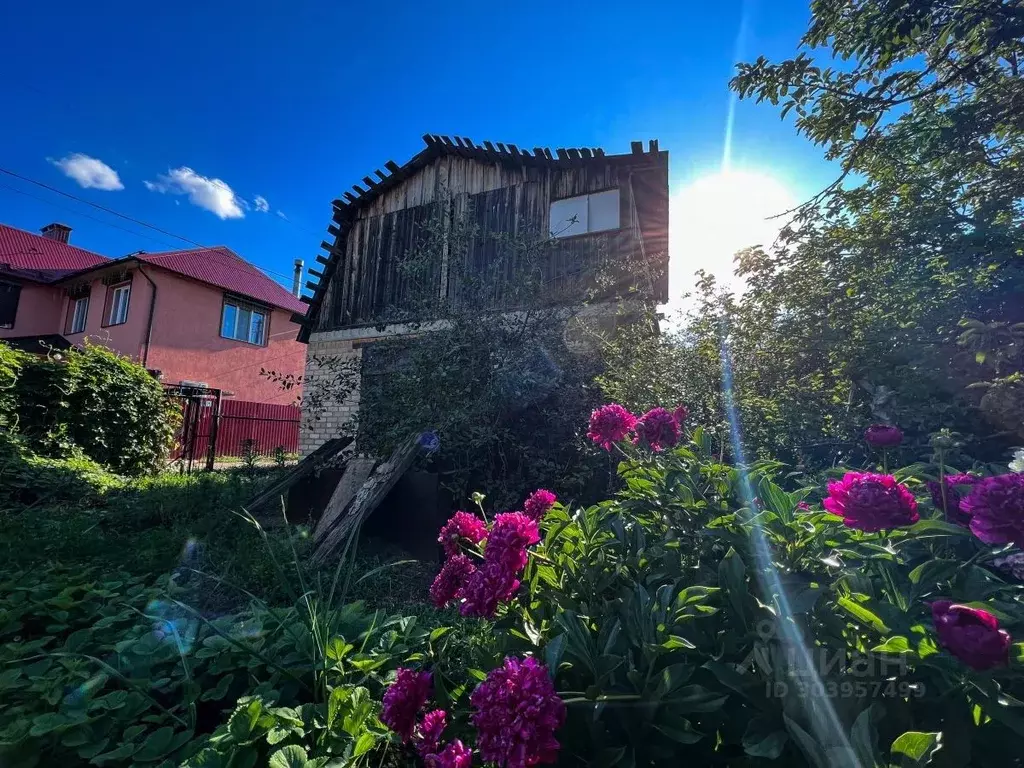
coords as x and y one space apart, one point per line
517 714
461 526
428 735
657 430
681 414
996 508
455 755
505 557
803 506
609 424
486 588
539 503
971 634
883 436
953 496
403 700
871 502
449 583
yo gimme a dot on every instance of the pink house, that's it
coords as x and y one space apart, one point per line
202 316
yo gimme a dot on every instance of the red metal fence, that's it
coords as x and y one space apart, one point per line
268 425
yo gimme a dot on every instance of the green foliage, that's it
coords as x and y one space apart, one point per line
729 626
98 403
11 362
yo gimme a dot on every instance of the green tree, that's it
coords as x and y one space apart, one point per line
855 315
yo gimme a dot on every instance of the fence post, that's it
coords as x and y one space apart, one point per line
214 423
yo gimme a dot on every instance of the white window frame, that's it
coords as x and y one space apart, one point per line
78 323
585 214
119 310
245 334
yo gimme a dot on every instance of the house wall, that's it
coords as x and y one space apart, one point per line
187 345
125 339
40 311
368 281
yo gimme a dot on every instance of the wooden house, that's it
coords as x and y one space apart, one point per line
591 209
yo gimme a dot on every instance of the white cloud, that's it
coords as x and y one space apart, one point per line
89 172
281 214
212 194
261 204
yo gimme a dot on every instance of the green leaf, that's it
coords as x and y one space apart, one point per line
915 748
862 614
553 654
894 645
933 571
864 739
364 744
156 745
292 756
682 732
765 737
123 752
337 648
929 528
439 632
51 721
359 707
806 743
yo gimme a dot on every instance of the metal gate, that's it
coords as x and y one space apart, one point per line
213 426
197 435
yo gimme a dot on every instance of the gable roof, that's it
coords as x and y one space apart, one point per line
222 267
438 146
40 259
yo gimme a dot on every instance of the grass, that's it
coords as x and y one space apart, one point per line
178 524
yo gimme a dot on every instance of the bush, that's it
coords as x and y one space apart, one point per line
101 403
708 615
11 362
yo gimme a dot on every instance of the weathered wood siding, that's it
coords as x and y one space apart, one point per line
370 284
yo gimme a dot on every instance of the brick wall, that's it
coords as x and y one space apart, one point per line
316 429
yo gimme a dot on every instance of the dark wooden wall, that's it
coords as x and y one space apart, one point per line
505 207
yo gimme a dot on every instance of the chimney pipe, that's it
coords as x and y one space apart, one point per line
297 279
55 231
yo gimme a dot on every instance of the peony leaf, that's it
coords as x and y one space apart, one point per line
915 748
765 737
929 528
862 614
292 756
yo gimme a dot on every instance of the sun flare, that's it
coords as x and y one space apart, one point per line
717 215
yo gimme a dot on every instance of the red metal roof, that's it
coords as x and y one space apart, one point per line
39 258
222 267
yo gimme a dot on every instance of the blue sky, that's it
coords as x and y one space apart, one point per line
294 102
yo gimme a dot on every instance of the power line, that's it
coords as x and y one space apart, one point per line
80 213
115 213
101 208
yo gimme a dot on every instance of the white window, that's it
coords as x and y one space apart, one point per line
119 304
79 313
598 212
243 322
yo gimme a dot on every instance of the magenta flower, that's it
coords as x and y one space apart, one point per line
609 424
871 502
996 508
657 429
803 506
452 579
486 588
681 414
455 755
505 557
403 700
971 634
539 503
517 714
431 729
462 526
511 534
883 436
953 496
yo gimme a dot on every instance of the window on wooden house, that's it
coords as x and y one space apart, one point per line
78 313
9 295
243 322
596 212
118 297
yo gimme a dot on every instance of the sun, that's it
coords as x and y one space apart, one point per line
717 215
